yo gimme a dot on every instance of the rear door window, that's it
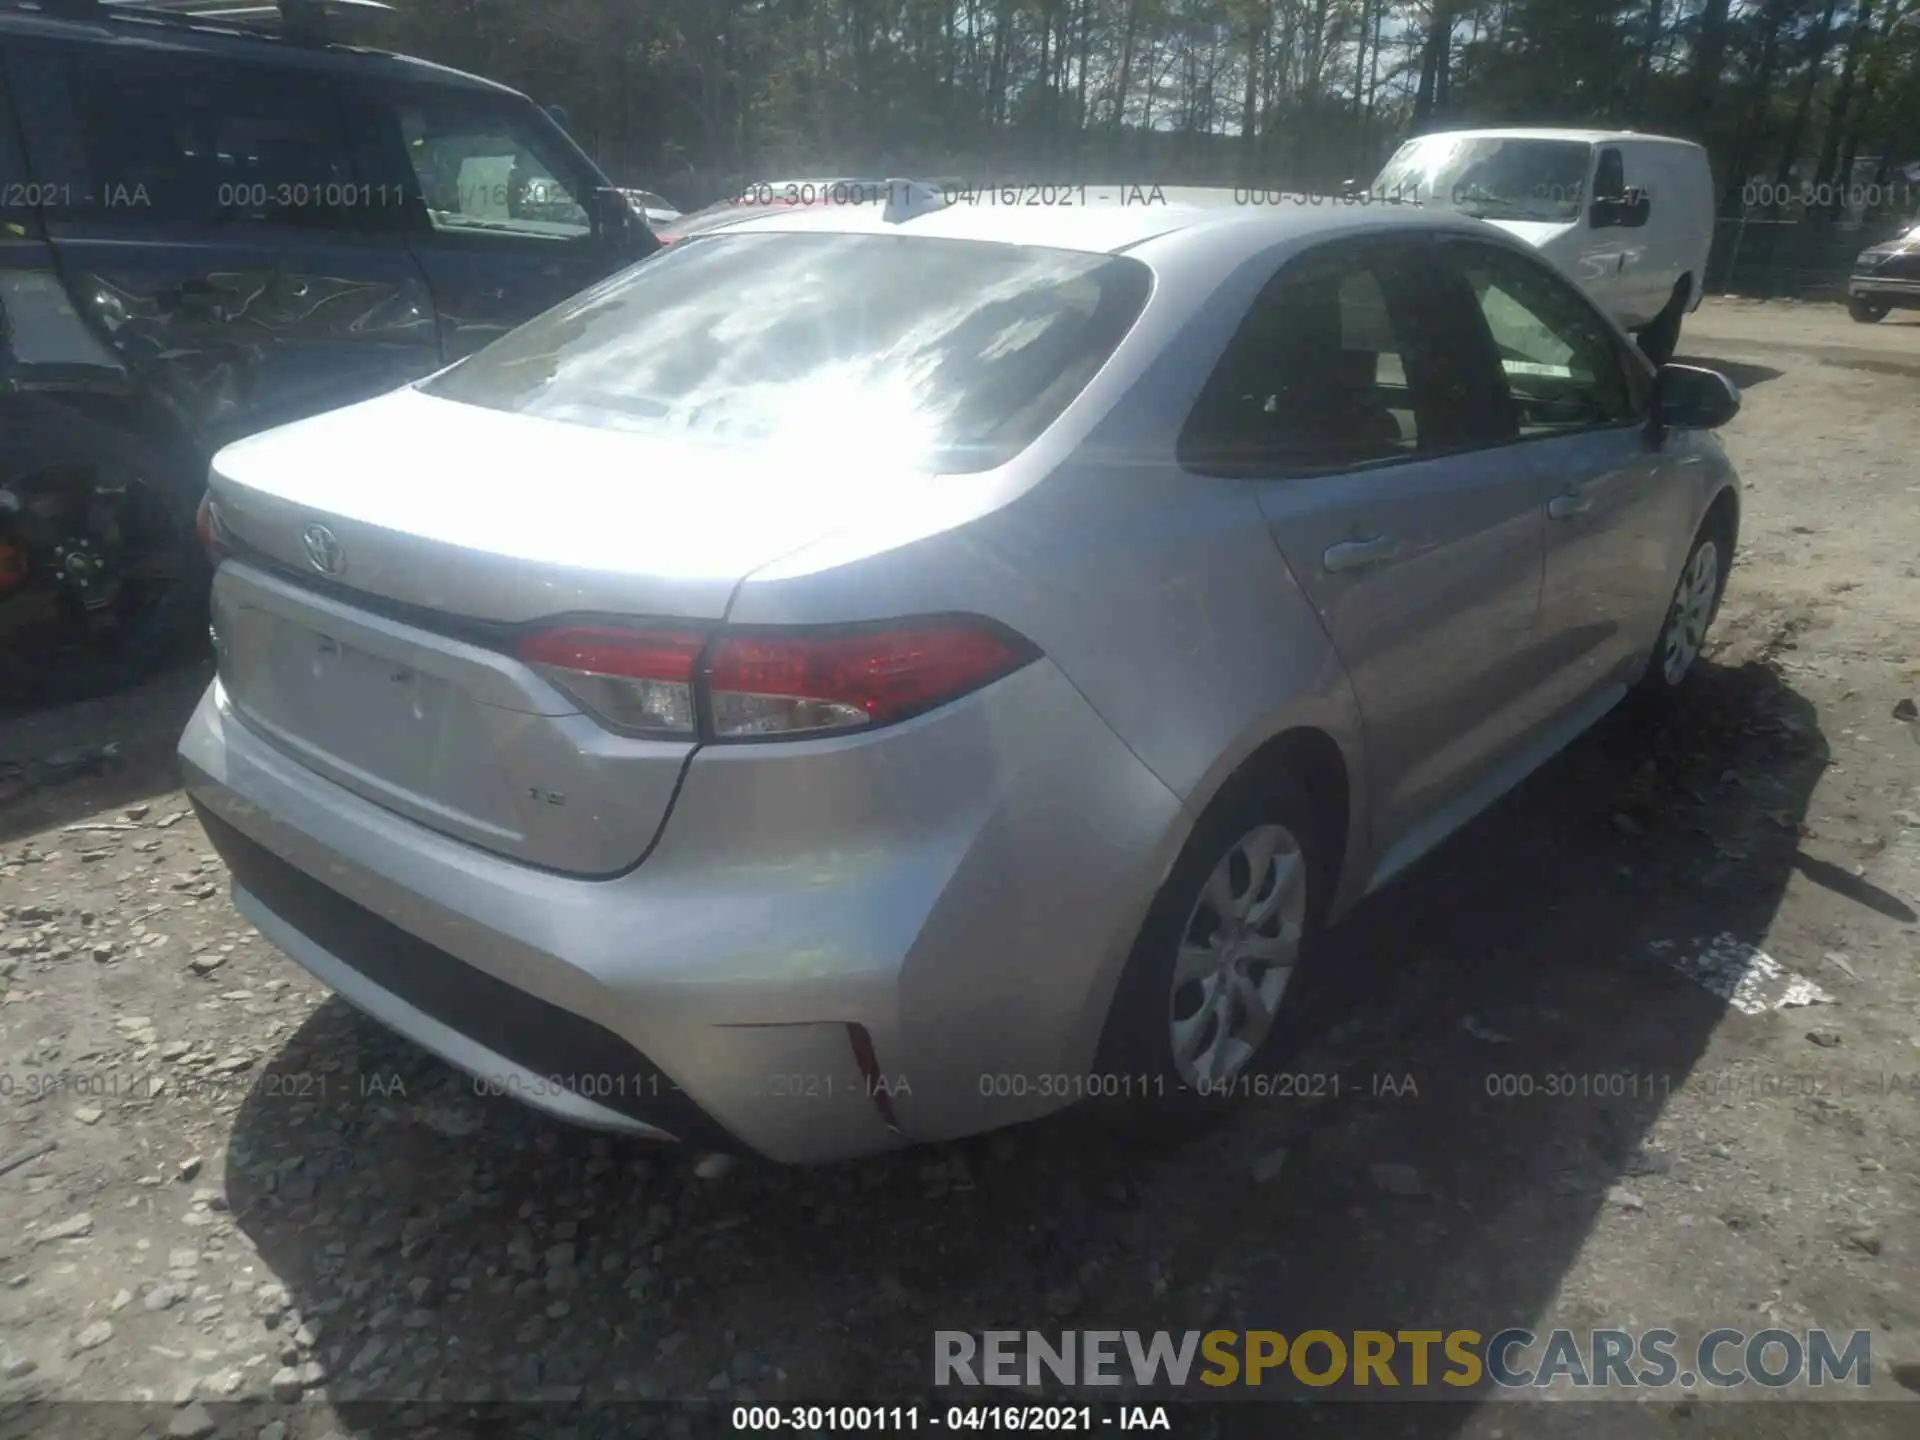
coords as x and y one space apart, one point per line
1349 357
145 139
941 354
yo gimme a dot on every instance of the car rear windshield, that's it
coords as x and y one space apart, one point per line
948 355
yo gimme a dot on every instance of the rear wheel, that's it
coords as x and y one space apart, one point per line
1868 312
1212 970
101 576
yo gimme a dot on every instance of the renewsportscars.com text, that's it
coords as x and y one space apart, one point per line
1442 1361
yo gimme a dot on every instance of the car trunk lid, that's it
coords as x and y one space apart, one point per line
385 557
488 515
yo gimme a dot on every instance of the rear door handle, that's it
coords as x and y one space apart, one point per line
1565 507
1358 554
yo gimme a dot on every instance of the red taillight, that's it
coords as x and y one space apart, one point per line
639 681
782 684
206 525
769 684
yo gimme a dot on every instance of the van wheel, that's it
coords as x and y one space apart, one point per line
103 580
1661 337
1214 966
1868 312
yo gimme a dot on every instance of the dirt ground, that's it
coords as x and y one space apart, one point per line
256 1195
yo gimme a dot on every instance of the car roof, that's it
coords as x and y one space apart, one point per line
1529 132
1116 219
724 215
187 35
817 194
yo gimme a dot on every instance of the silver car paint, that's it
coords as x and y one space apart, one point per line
477 513
458 737
904 880
966 885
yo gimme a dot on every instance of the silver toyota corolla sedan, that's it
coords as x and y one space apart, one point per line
859 679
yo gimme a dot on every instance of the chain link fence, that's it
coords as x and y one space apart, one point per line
1797 241
1790 257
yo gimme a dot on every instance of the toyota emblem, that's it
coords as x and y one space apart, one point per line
323 550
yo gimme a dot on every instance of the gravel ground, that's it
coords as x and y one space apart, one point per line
256 1196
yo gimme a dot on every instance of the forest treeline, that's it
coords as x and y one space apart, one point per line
690 96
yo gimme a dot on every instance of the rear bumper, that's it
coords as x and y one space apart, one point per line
963 888
509 1041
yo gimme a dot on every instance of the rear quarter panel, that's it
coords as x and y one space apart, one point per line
1160 598
1159 594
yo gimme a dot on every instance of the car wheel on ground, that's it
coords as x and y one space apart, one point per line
1214 966
1868 312
1696 600
104 580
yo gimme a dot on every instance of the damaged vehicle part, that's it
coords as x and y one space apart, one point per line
99 571
222 232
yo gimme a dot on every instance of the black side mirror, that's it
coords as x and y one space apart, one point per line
614 218
1635 209
609 209
1604 213
1691 397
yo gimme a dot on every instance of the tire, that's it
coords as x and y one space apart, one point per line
139 496
1660 339
1690 613
1867 312
1148 1012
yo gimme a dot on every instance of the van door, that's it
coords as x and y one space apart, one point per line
1602 266
1620 230
1661 225
211 233
504 214
1680 218
1695 203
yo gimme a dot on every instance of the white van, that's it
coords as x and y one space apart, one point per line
1628 216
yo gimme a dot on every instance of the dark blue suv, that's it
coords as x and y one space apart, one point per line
206 230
